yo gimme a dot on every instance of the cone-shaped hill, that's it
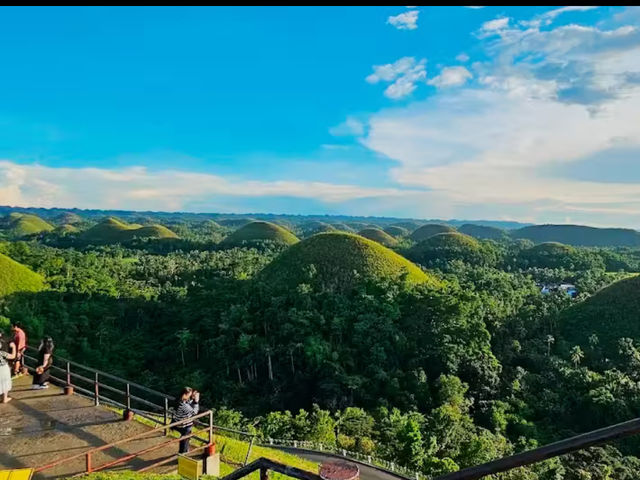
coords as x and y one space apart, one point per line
112 230
337 262
396 231
379 236
258 232
483 231
22 224
449 246
429 230
15 277
611 314
313 228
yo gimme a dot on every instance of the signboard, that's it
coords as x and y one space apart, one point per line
20 474
187 468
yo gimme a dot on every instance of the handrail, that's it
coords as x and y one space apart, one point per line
264 465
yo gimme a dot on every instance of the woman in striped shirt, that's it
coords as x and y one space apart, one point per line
188 406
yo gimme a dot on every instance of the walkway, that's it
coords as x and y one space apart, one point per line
41 426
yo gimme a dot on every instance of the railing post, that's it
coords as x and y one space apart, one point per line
68 388
246 460
89 468
166 415
264 473
210 427
96 390
128 413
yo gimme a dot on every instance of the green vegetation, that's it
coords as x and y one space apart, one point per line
483 232
580 235
397 232
113 230
429 230
313 228
379 236
22 225
260 232
68 218
438 366
66 229
338 261
15 277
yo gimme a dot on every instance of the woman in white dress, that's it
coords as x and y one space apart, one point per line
5 372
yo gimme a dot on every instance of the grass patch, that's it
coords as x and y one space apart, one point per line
15 277
256 232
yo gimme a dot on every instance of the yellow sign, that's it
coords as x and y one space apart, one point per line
21 474
187 468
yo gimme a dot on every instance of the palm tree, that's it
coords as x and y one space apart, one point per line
576 355
184 337
550 341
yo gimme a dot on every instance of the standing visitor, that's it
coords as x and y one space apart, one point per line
20 339
188 407
5 372
45 360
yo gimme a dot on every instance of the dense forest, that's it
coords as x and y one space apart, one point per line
430 345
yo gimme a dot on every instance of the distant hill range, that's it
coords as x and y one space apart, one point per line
579 235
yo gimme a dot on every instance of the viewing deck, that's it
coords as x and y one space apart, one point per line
41 426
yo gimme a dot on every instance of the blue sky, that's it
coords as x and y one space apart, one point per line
506 113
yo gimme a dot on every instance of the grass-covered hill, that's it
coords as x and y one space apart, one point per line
557 255
68 218
66 229
483 231
312 228
338 261
342 227
258 232
234 222
610 314
451 246
23 224
379 236
396 231
113 230
15 277
429 230
579 235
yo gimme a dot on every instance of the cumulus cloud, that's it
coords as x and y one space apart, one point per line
545 101
137 188
404 75
405 21
462 57
451 77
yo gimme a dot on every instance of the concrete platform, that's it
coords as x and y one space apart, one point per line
41 426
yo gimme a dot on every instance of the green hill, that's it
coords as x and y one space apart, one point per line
379 236
313 228
410 226
68 218
611 314
397 232
113 230
257 232
343 227
15 277
234 222
338 261
23 224
66 229
483 232
451 246
429 230
579 235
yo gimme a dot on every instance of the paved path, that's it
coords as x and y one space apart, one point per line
366 472
41 426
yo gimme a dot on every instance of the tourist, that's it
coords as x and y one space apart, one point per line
5 372
188 407
20 339
45 360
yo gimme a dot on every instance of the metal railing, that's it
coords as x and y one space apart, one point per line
105 387
264 465
89 455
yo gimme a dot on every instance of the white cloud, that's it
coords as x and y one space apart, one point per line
405 73
137 188
462 57
405 21
549 16
451 77
351 126
493 27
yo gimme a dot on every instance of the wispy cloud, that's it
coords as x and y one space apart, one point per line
350 127
404 74
405 21
451 77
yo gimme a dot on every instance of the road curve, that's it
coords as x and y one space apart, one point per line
366 472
